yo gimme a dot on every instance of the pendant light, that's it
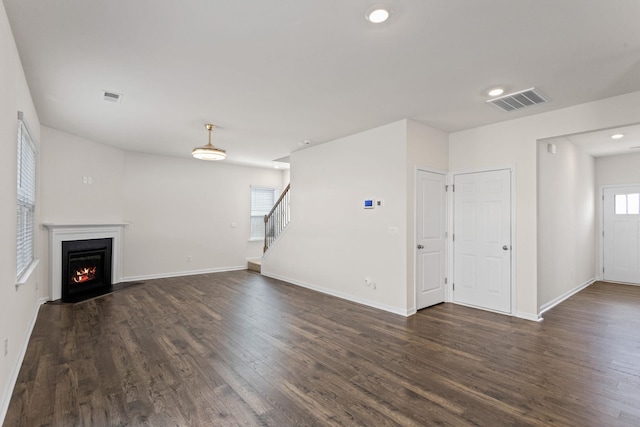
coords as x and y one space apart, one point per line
209 152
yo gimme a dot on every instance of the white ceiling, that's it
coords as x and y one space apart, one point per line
273 74
600 143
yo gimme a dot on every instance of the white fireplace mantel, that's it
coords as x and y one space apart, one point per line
59 233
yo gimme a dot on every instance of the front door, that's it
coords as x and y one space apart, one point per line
430 238
621 249
482 240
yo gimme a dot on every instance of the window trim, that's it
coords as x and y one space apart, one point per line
25 198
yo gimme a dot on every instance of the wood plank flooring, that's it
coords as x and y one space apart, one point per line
239 349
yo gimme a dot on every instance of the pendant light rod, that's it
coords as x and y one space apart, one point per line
210 127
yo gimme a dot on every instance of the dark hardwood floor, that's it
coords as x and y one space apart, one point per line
240 349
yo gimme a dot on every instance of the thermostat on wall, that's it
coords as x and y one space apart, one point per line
369 204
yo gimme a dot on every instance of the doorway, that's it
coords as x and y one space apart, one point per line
430 238
482 248
621 234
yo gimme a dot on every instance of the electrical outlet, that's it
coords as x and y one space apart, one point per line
6 347
37 285
189 259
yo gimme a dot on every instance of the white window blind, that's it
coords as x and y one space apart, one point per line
262 200
26 197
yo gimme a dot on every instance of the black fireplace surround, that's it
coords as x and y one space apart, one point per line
86 268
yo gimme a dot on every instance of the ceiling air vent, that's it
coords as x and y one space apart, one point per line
111 96
518 100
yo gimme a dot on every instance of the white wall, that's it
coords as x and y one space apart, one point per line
566 221
617 170
332 243
177 207
186 207
66 160
427 148
514 142
286 178
18 306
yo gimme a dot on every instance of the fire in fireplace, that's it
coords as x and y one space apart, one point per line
85 274
86 268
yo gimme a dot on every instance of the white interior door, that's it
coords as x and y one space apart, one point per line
431 238
482 240
621 226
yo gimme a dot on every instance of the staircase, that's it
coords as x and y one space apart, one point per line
255 265
277 220
274 224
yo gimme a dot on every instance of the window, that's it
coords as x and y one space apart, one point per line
26 197
262 200
627 204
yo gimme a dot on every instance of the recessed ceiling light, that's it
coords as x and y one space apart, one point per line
617 136
378 14
496 91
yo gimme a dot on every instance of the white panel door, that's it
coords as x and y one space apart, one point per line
430 239
621 226
482 240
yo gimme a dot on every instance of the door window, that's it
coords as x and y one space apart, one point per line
627 204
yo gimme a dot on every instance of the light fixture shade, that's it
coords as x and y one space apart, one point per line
209 152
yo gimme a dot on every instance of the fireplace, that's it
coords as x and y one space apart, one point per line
86 268
59 233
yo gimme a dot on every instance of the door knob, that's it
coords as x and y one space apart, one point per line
505 248
420 247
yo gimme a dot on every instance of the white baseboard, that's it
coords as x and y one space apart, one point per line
518 314
182 273
619 283
566 295
6 397
528 316
368 303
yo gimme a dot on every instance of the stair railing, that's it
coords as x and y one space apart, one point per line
277 219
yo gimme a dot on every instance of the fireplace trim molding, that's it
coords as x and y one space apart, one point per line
59 233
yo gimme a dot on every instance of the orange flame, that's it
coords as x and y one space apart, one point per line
84 274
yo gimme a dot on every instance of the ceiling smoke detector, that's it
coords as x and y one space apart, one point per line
519 100
111 96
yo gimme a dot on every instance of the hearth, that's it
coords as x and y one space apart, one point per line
86 268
